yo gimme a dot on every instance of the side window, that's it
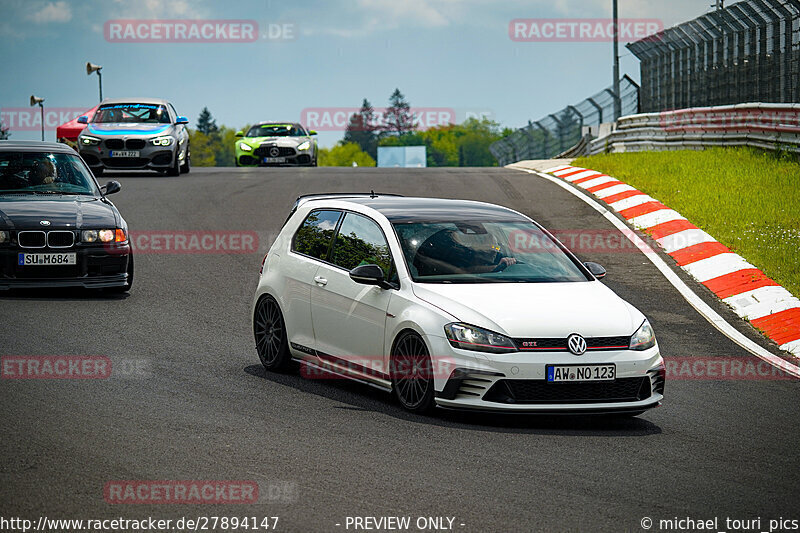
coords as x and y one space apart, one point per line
361 242
314 236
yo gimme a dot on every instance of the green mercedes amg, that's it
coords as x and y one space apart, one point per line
276 144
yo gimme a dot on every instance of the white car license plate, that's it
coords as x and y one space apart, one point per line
45 259
124 153
274 160
568 373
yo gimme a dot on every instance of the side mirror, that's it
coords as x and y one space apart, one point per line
181 120
369 275
111 187
312 132
240 133
596 269
83 119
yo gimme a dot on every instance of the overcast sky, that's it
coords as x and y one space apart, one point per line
452 54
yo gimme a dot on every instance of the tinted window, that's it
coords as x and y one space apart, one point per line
361 242
137 113
315 235
44 173
484 252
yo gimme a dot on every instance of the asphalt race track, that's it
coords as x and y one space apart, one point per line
199 406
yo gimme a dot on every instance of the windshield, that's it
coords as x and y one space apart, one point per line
484 252
276 130
44 173
139 113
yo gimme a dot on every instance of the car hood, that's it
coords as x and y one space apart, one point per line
127 128
278 141
62 212
529 310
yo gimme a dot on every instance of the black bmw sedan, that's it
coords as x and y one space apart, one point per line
57 228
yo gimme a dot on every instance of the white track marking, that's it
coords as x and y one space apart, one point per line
762 301
559 167
655 218
616 189
793 346
596 181
695 301
683 239
716 266
631 201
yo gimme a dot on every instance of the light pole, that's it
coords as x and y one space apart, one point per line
91 67
36 100
617 103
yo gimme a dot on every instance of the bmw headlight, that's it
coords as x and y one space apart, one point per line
644 337
245 147
305 145
87 140
4 236
477 339
162 141
104 235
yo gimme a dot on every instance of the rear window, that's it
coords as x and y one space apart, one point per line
314 236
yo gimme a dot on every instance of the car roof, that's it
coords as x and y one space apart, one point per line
35 146
276 122
401 209
152 101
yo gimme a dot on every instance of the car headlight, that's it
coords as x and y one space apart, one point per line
86 140
245 147
644 337
4 236
104 235
305 145
162 141
477 339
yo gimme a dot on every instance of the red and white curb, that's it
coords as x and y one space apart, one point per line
746 289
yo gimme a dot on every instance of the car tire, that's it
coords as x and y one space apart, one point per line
128 284
186 166
175 169
411 372
269 330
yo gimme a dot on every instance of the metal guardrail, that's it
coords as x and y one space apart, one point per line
764 126
561 130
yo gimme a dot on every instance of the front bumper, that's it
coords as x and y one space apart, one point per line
516 382
96 266
149 157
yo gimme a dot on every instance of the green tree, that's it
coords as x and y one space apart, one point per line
202 149
398 120
223 142
344 155
206 123
362 129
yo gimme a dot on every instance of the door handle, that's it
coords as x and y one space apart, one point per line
320 280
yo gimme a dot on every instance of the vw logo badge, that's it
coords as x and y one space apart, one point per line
274 151
576 344
44 222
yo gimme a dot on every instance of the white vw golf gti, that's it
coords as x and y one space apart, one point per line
450 303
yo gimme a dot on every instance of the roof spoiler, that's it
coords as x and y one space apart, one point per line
321 196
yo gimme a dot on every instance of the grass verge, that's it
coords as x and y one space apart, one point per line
746 199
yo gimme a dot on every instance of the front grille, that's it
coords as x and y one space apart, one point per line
31 239
303 159
125 162
264 151
114 144
657 380
134 144
540 391
60 239
163 158
247 160
560 344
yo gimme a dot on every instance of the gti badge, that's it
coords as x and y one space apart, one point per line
44 222
576 344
